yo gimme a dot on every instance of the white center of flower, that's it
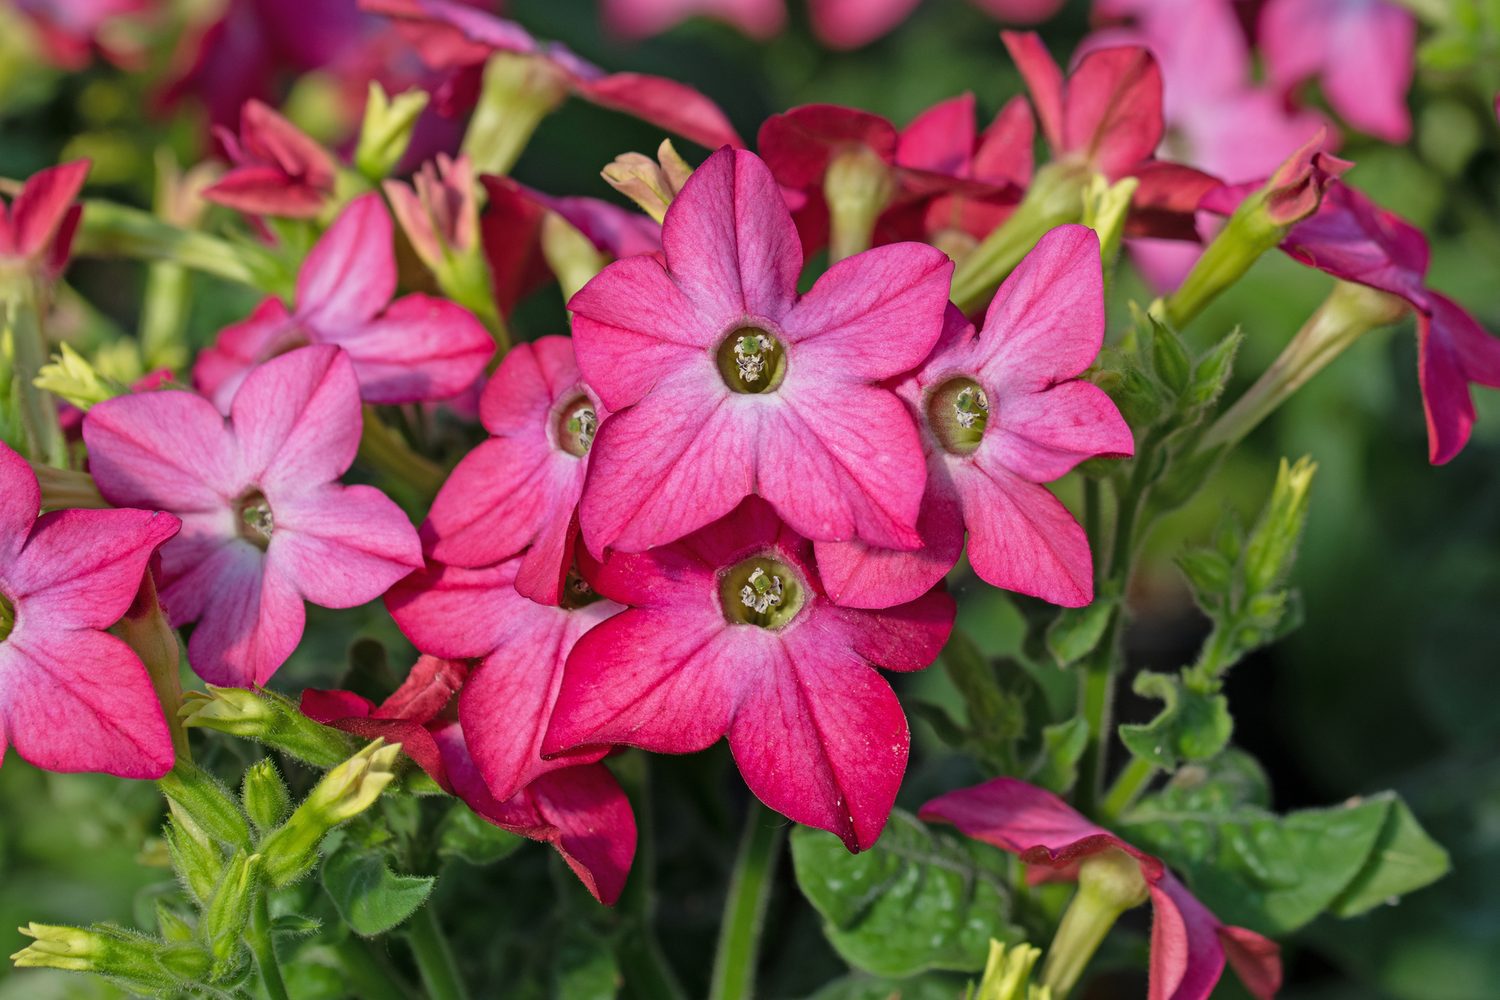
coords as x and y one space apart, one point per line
762 592
583 425
750 356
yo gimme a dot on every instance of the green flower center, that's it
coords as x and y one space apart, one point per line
761 591
256 522
7 618
577 423
958 412
752 360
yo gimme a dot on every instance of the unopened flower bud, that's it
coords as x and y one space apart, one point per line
570 254
228 911
1007 974
651 184
144 965
69 376
1105 208
1272 545
264 795
386 130
207 802
195 856
269 718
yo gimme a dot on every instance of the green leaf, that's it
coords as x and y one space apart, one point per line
464 835
584 966
1405 859
915 901
997 717
1075 632
369 897
1063 744
1193 725
861 987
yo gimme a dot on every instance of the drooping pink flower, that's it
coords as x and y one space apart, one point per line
729 634
277 169
415 349
72 696
1189 945
520 489
1002 412
37 227
73 30
453 36
266 524
1362 51
723 383
508 702
581 811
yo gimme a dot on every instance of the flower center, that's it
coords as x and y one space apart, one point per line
576 425
576 592
761 591
958 412
7 618
752 360
256 522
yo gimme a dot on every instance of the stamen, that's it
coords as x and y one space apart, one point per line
971 407
577 423
751 360
583 425
761 592
257 523
750 356
958 413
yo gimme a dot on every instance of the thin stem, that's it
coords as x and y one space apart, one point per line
258 937
382 448
745 908
1127 788
648 975
434 957
1091 513
368 971
23 316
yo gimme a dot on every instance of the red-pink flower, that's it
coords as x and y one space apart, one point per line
724 383
276 168
439 210
266 524
72 696
1361 51
415 349
36 229
519 490
580 811
453 36
1002 412
72 30
1189 945
508 702
729 634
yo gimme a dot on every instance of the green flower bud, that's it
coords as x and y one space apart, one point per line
228 912
386 130
144 964
207 802
1007 974
264 795
1272 546
269 718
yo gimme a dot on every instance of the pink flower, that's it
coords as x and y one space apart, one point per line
724 383
37 229
1002 412
439 210
508 702
1189 945
453 36
415 349
519 490
71 30
1362 52
729 634
266 524
72 696
580 811
277 169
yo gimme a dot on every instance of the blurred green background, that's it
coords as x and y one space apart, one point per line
1392 681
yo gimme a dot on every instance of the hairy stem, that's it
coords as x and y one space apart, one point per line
258 937
434 957
745 908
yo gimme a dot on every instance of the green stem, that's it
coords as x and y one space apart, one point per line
383 449
745 908
1126 789
23 314
258 937
517 93
369 973
434 957
164 316
1245 238
647 974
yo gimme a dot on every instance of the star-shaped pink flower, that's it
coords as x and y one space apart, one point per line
266 524
72 696
722 382
415 349
1189 946
277 169
729 634
1002 412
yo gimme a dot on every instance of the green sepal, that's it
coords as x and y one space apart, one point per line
264 795
211 805
1075 632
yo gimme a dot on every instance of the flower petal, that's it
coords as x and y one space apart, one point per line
350 274
1044 79
420 349
1022 538
453 612
39 212
1113 112
20 500
797 144
848 24
82 568
1186 956
341 546
165 450
941 139
251 619
297 421
1041 436
1452 351
666 104
1025 820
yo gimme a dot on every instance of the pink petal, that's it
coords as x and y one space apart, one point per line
265 133
350 274
1044 79
328 707
40 211
1186 956
1042 436
268 331
261 189
421 348
20 500
1166 200
907 637
297 421
1453 350
82 568
664 103
449 35
1254 959
1027 821
1113 113
545 565
1353 239
848 24
798 144
941 139
1022 538
429 686
453 612
251 619
165 450
79 700
341 546
1006 150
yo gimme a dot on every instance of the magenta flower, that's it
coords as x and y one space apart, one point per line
508 702
266 524
439 210
415 349
1189 945
72 696
277 169
519 490
36 229
72 30
580 811
1361 51
454 36
1001 413
729 633
724 383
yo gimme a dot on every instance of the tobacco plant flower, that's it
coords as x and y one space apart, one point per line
277 169
37 227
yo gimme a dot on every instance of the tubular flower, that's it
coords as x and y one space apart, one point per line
723 383
580 811
276 168
267 525
1189 946
36 229
1002 412
72 696
415 349
729 634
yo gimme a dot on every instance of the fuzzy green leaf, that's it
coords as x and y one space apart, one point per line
369 897
1075 632
1193 724
1405 859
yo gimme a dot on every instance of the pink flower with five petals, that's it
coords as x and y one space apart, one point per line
1001 413
266 524
415 349
72 696
723 382
729 634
